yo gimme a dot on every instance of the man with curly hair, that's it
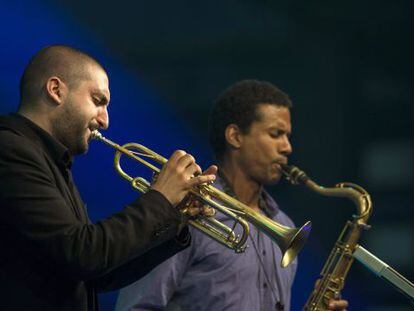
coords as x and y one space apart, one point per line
249 129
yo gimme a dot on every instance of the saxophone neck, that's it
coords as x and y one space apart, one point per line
359 196
361 199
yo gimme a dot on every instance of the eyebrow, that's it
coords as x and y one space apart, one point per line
102 96
280 129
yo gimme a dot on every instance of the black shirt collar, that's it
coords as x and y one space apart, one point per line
58 152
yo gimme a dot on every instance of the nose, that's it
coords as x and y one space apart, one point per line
286 147
103 118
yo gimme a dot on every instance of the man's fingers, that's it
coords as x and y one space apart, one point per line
338 305
185 161
179 175
209 175
201 179
176 156
212 170
208 211
192 170
200 209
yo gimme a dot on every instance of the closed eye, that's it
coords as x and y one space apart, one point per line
275 134
99 101
279 133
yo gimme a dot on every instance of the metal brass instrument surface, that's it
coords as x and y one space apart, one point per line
336 268
290 240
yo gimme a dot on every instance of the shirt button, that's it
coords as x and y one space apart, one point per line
264 285
264 252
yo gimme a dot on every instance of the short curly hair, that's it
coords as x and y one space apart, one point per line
238 105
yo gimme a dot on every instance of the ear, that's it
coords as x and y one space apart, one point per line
56 89
234 136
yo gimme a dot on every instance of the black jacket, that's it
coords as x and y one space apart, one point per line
51 256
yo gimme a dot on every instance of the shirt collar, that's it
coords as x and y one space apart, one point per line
266 202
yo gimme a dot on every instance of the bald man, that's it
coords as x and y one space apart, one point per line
52 256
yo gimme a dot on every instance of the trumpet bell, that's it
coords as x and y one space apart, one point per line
294 245
290 240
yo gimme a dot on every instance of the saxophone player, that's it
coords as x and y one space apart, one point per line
249 133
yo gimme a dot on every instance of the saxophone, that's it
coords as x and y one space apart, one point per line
333 275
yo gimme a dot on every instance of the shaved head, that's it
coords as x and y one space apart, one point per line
65 62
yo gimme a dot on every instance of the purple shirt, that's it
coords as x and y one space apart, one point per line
209 276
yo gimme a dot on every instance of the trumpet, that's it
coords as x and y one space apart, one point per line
289 240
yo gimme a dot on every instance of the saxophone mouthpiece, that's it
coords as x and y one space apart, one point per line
285 169
294 175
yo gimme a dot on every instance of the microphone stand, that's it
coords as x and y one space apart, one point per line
384 271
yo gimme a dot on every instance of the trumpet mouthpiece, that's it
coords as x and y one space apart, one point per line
96 134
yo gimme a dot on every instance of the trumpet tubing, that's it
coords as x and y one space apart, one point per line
290 240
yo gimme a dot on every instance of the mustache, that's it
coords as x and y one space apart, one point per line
282 161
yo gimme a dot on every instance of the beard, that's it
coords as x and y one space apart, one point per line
269 175
70 129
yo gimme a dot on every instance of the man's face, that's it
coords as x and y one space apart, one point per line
84 110
266 144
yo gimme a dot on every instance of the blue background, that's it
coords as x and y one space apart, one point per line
347 66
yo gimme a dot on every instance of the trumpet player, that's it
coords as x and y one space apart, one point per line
249 129
53 257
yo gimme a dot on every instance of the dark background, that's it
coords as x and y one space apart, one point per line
346 65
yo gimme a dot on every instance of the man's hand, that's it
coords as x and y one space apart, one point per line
338 305
194 207
179 175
